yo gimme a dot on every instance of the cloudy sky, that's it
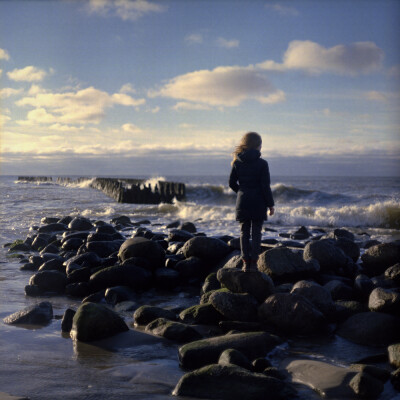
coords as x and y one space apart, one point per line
143 87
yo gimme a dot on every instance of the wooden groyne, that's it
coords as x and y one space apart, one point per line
124 190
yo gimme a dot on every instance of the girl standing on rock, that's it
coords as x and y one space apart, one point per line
250 179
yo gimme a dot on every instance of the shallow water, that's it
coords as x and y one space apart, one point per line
41 363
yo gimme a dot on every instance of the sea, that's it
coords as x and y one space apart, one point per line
42 363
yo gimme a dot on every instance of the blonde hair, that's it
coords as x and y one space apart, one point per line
251 140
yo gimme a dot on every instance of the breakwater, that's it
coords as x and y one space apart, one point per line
134 191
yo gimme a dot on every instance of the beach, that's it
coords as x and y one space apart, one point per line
44 363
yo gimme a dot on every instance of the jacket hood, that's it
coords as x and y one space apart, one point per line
249 155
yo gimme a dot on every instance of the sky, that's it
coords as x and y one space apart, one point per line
150 88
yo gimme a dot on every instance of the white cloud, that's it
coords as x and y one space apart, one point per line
80 107
229 44
127 88
3 119
194 38
283 10
35 89
4 55
127 10
353 59
223 86
131 128
155 110
28 74
1 72
65 128
7 92
375 96
183 105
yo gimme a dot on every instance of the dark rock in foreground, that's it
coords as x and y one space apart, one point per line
173 330
38 314
231 382
94 322
205 248
146 314
142 247
207 351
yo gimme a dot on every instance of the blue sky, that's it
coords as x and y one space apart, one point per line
119 87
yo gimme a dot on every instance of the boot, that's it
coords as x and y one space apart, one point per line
246 265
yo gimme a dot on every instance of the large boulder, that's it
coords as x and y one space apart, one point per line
38 314
54 227
192 267
129 275
378 258
330 257
316 294
142 247
393 273
226 382
349 248
173 330
207 351
210 283
339 290
94 321
104 248
292 314
384 300
80 224
257 284
232 356
283 264
371 329
49 281
394 355
235 306
206 248
146 314
366 386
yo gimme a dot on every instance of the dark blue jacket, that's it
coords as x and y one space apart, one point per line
250 179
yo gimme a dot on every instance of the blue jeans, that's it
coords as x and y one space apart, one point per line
255 227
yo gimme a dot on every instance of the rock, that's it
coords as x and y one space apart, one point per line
88 259
283 264
142 247
231 382
349 248
122 220
257 284
66 323
65 220
54 227
366 386
378 258
188 227
166 278
16 246
235 306
393 273
96 297
239 326
395 379
100 237
106 228
232 356
173 330
192 267
274 373
330 257
146 314
49 281
205 298
38 314
379 373
207 351
329 381
394 355
260 364
347 308
206 248
28 267
78 289
201 314
52 248
234 262
118 294
384 300
94 322
179 235
134 277
301 234
363 286
54 264
291 313
40 242
79 275
49 220
341 234
316 294
371 329
104 248
72 244
32 291
80 224
173 224
210 283
339 290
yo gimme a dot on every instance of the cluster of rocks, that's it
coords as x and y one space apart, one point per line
318 287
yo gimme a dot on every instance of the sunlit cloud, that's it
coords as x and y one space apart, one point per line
228 44
127 10
222 86
353 59
127 88
4 55
283 10
7 92
27 74
183 105
194 38
80 107
131 128
65 128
